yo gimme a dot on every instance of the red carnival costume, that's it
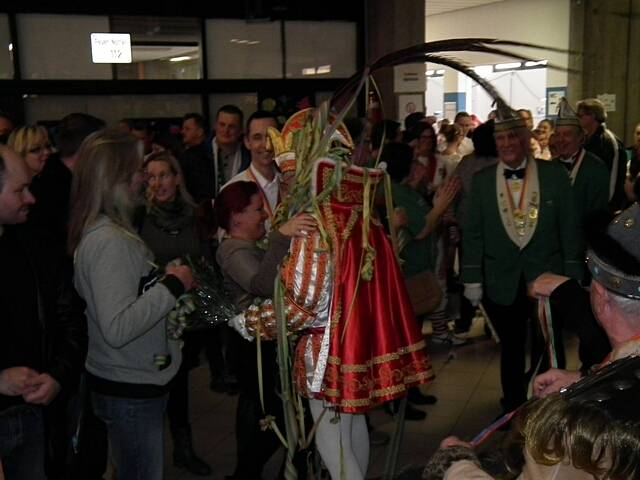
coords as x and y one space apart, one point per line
346 275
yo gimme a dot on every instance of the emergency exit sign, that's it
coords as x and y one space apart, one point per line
111 48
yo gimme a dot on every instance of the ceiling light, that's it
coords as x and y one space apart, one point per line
254 42
180 59
440 72
483 69
535 64
11 47
323 69
508 66
429 73
309 71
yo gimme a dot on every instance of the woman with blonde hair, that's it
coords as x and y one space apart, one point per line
32 143
131 360
169 226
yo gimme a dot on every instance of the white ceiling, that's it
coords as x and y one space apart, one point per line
436 7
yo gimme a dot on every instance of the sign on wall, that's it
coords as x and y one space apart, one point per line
554 95
408 104
111 48
608 100
409 78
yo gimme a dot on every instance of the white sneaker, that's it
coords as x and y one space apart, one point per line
475 330
448 339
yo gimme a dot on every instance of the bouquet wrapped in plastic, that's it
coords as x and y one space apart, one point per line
204 307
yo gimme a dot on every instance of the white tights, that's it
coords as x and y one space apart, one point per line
352 429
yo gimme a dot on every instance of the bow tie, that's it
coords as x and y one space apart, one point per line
517 173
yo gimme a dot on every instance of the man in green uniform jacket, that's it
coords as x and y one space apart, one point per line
520 223
588 174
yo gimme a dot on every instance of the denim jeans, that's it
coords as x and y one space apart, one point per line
22 443
135 428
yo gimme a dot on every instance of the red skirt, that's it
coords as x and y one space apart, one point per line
376 350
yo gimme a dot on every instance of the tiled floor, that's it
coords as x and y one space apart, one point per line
468 391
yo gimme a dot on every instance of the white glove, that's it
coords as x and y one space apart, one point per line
473 293
239 325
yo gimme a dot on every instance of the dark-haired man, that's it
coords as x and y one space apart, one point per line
464 121
6 127
43 340
52 187
230 157
195 161
262 170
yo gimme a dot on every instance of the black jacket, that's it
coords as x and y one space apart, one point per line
604 147
571 303
60 311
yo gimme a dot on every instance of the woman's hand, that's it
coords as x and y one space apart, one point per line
399 218
446 194
454 442
299 226
545 284
441 202
182 273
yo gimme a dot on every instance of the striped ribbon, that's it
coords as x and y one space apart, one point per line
493 428
546 325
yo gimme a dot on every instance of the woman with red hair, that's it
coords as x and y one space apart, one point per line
249 273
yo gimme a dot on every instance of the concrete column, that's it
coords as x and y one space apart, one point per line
607 32
390 26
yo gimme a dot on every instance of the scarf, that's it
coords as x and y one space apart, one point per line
172 217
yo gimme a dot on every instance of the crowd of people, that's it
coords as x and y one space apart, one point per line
493 219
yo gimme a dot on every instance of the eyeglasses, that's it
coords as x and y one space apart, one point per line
40 149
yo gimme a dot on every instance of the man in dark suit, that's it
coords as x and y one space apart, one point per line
603 143
195 161
519 224
230 156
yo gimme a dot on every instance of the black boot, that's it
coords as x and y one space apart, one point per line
184 456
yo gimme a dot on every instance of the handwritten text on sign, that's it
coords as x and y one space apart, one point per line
111 48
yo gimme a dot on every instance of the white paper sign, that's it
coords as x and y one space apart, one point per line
409 78
609 101
111 48
450 110
408 104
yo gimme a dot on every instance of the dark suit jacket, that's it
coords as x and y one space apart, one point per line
197 168
604 147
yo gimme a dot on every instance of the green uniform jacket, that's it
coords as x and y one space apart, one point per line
590 188
489 255
417 255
